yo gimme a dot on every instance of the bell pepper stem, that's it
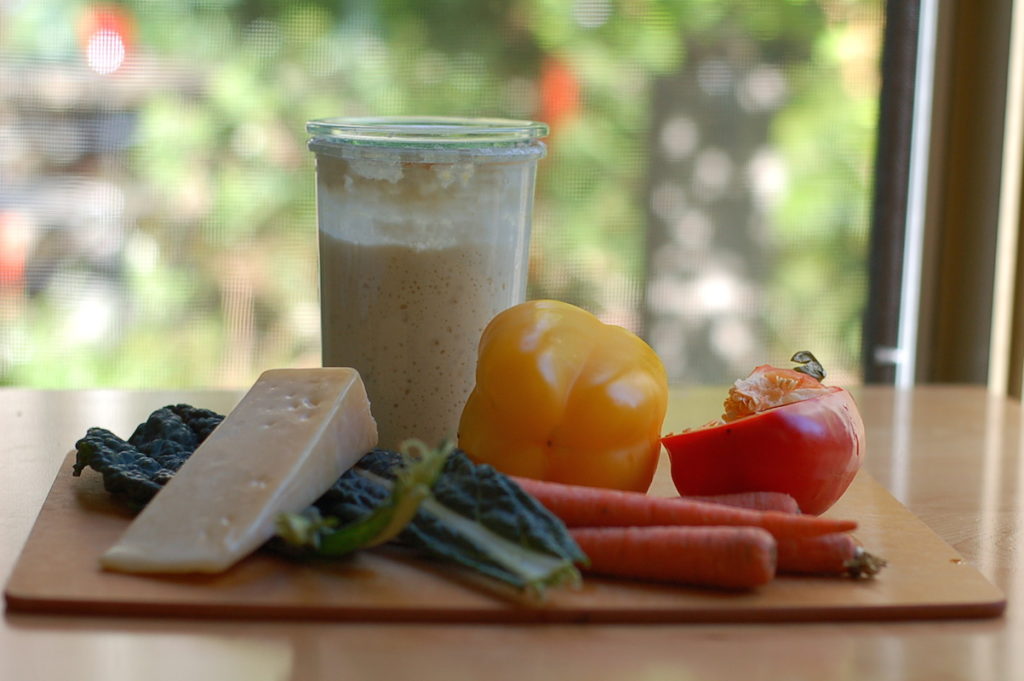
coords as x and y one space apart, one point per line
808 364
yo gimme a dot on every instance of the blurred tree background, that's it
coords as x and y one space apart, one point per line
707 183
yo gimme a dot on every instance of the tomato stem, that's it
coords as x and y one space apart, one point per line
808 364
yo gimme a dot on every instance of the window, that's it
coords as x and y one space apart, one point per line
708 182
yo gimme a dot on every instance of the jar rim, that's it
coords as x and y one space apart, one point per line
426 131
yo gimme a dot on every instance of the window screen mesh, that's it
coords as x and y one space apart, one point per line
707 182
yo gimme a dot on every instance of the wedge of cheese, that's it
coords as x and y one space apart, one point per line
292 435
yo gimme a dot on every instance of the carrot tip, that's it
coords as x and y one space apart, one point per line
864 565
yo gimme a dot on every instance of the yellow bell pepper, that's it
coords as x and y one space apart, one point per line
562 396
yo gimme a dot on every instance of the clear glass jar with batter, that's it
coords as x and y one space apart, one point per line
424 231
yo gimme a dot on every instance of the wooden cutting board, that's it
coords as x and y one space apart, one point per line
58 572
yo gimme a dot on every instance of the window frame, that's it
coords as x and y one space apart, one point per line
966 327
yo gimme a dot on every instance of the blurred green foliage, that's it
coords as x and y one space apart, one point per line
214 278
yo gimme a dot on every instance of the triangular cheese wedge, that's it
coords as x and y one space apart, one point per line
289 439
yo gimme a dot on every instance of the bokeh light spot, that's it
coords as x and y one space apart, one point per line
105 52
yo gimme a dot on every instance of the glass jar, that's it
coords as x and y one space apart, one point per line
424 231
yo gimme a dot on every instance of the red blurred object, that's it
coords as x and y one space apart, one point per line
13 250
559 93
106 34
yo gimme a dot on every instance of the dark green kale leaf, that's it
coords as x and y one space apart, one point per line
134 470
476 516
175 431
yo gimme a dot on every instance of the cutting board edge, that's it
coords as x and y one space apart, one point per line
563 615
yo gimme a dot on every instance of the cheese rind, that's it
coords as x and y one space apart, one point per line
288 440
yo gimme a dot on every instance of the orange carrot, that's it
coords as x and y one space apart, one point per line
756 501
579 506
724 557
829 554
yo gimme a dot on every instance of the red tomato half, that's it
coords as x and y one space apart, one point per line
810 449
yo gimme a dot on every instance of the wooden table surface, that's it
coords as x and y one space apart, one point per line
953 455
